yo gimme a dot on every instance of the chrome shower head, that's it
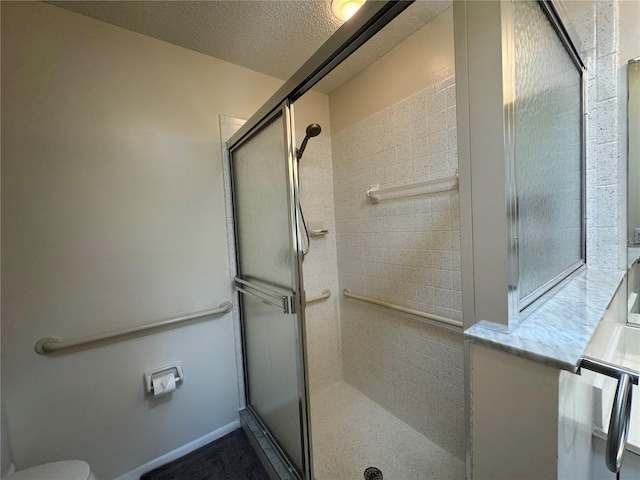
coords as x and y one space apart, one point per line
313 130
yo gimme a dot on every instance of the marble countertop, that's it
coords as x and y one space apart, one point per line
560 325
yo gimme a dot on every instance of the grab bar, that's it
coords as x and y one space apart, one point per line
619 424
261 298
326 293
608 369
374 193
265 295
620 411
437 318
51 344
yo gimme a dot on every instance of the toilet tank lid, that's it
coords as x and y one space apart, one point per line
67 470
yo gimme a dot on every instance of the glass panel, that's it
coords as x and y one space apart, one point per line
262 209
271 344
633 192
548 152
262 206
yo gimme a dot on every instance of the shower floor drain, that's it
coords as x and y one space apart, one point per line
372 473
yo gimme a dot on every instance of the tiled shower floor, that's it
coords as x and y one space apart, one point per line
351 432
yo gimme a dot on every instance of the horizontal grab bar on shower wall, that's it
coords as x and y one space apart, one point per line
411 189
52 344
411 311
326 293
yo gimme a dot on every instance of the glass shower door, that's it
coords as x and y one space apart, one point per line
264 180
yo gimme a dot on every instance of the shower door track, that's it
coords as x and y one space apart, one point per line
278 453
366 22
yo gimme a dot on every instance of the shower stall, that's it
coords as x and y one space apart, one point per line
353 360
353 364
385 352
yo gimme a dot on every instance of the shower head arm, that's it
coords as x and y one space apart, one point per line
303 145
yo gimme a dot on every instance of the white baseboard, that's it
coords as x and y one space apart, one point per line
180 451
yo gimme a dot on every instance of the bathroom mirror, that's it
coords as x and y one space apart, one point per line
633 190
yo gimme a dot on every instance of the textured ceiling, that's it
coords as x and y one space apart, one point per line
274 37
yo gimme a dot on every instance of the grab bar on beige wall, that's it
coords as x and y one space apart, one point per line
326 293
436 318
51 344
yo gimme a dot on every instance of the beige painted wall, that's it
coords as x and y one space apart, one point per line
514 432
396 75
530 421
629 31
629 49
113 216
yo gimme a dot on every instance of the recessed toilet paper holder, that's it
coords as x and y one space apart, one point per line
175 368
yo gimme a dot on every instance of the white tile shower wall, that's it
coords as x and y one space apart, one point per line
596 24
405 251
320 270
413 369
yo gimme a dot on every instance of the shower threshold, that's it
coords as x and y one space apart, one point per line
271 460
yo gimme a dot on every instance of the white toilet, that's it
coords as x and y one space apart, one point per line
65 470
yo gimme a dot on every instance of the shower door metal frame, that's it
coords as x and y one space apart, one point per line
365 23
368 20
556 13
291 304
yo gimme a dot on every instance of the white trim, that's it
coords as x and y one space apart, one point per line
180 451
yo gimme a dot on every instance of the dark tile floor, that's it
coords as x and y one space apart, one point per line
228 458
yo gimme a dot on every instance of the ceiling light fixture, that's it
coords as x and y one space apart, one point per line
344 9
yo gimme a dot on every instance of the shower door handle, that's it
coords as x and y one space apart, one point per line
270 297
